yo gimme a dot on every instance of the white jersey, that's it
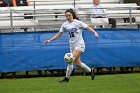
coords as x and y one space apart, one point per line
74 31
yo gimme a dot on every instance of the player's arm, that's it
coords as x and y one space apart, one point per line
92 30
53 38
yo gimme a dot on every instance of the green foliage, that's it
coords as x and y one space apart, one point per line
123 83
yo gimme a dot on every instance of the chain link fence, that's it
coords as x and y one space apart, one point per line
50 20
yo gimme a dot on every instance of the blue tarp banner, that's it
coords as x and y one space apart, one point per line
27 51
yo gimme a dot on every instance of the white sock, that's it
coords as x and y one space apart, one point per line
69 70
85 67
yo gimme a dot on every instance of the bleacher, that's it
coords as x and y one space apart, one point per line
118 11
47 17
67 2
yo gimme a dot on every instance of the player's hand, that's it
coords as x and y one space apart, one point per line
96 35
47 41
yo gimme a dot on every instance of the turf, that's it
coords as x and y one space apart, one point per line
118 83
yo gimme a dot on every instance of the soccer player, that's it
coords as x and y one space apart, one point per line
74 28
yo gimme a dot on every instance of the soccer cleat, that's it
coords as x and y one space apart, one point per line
64 80
92 73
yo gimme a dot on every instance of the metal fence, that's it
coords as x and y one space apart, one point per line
29 20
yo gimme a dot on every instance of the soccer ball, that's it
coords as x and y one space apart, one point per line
69 58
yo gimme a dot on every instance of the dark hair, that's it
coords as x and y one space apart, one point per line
73 13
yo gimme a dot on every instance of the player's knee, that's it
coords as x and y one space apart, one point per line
77 63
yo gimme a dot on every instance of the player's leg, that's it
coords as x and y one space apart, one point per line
68 73
79 49
78 63
68 70
77 53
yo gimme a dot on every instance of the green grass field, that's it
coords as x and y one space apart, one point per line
117 83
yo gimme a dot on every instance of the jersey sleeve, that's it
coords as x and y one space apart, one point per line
82 24
62 29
